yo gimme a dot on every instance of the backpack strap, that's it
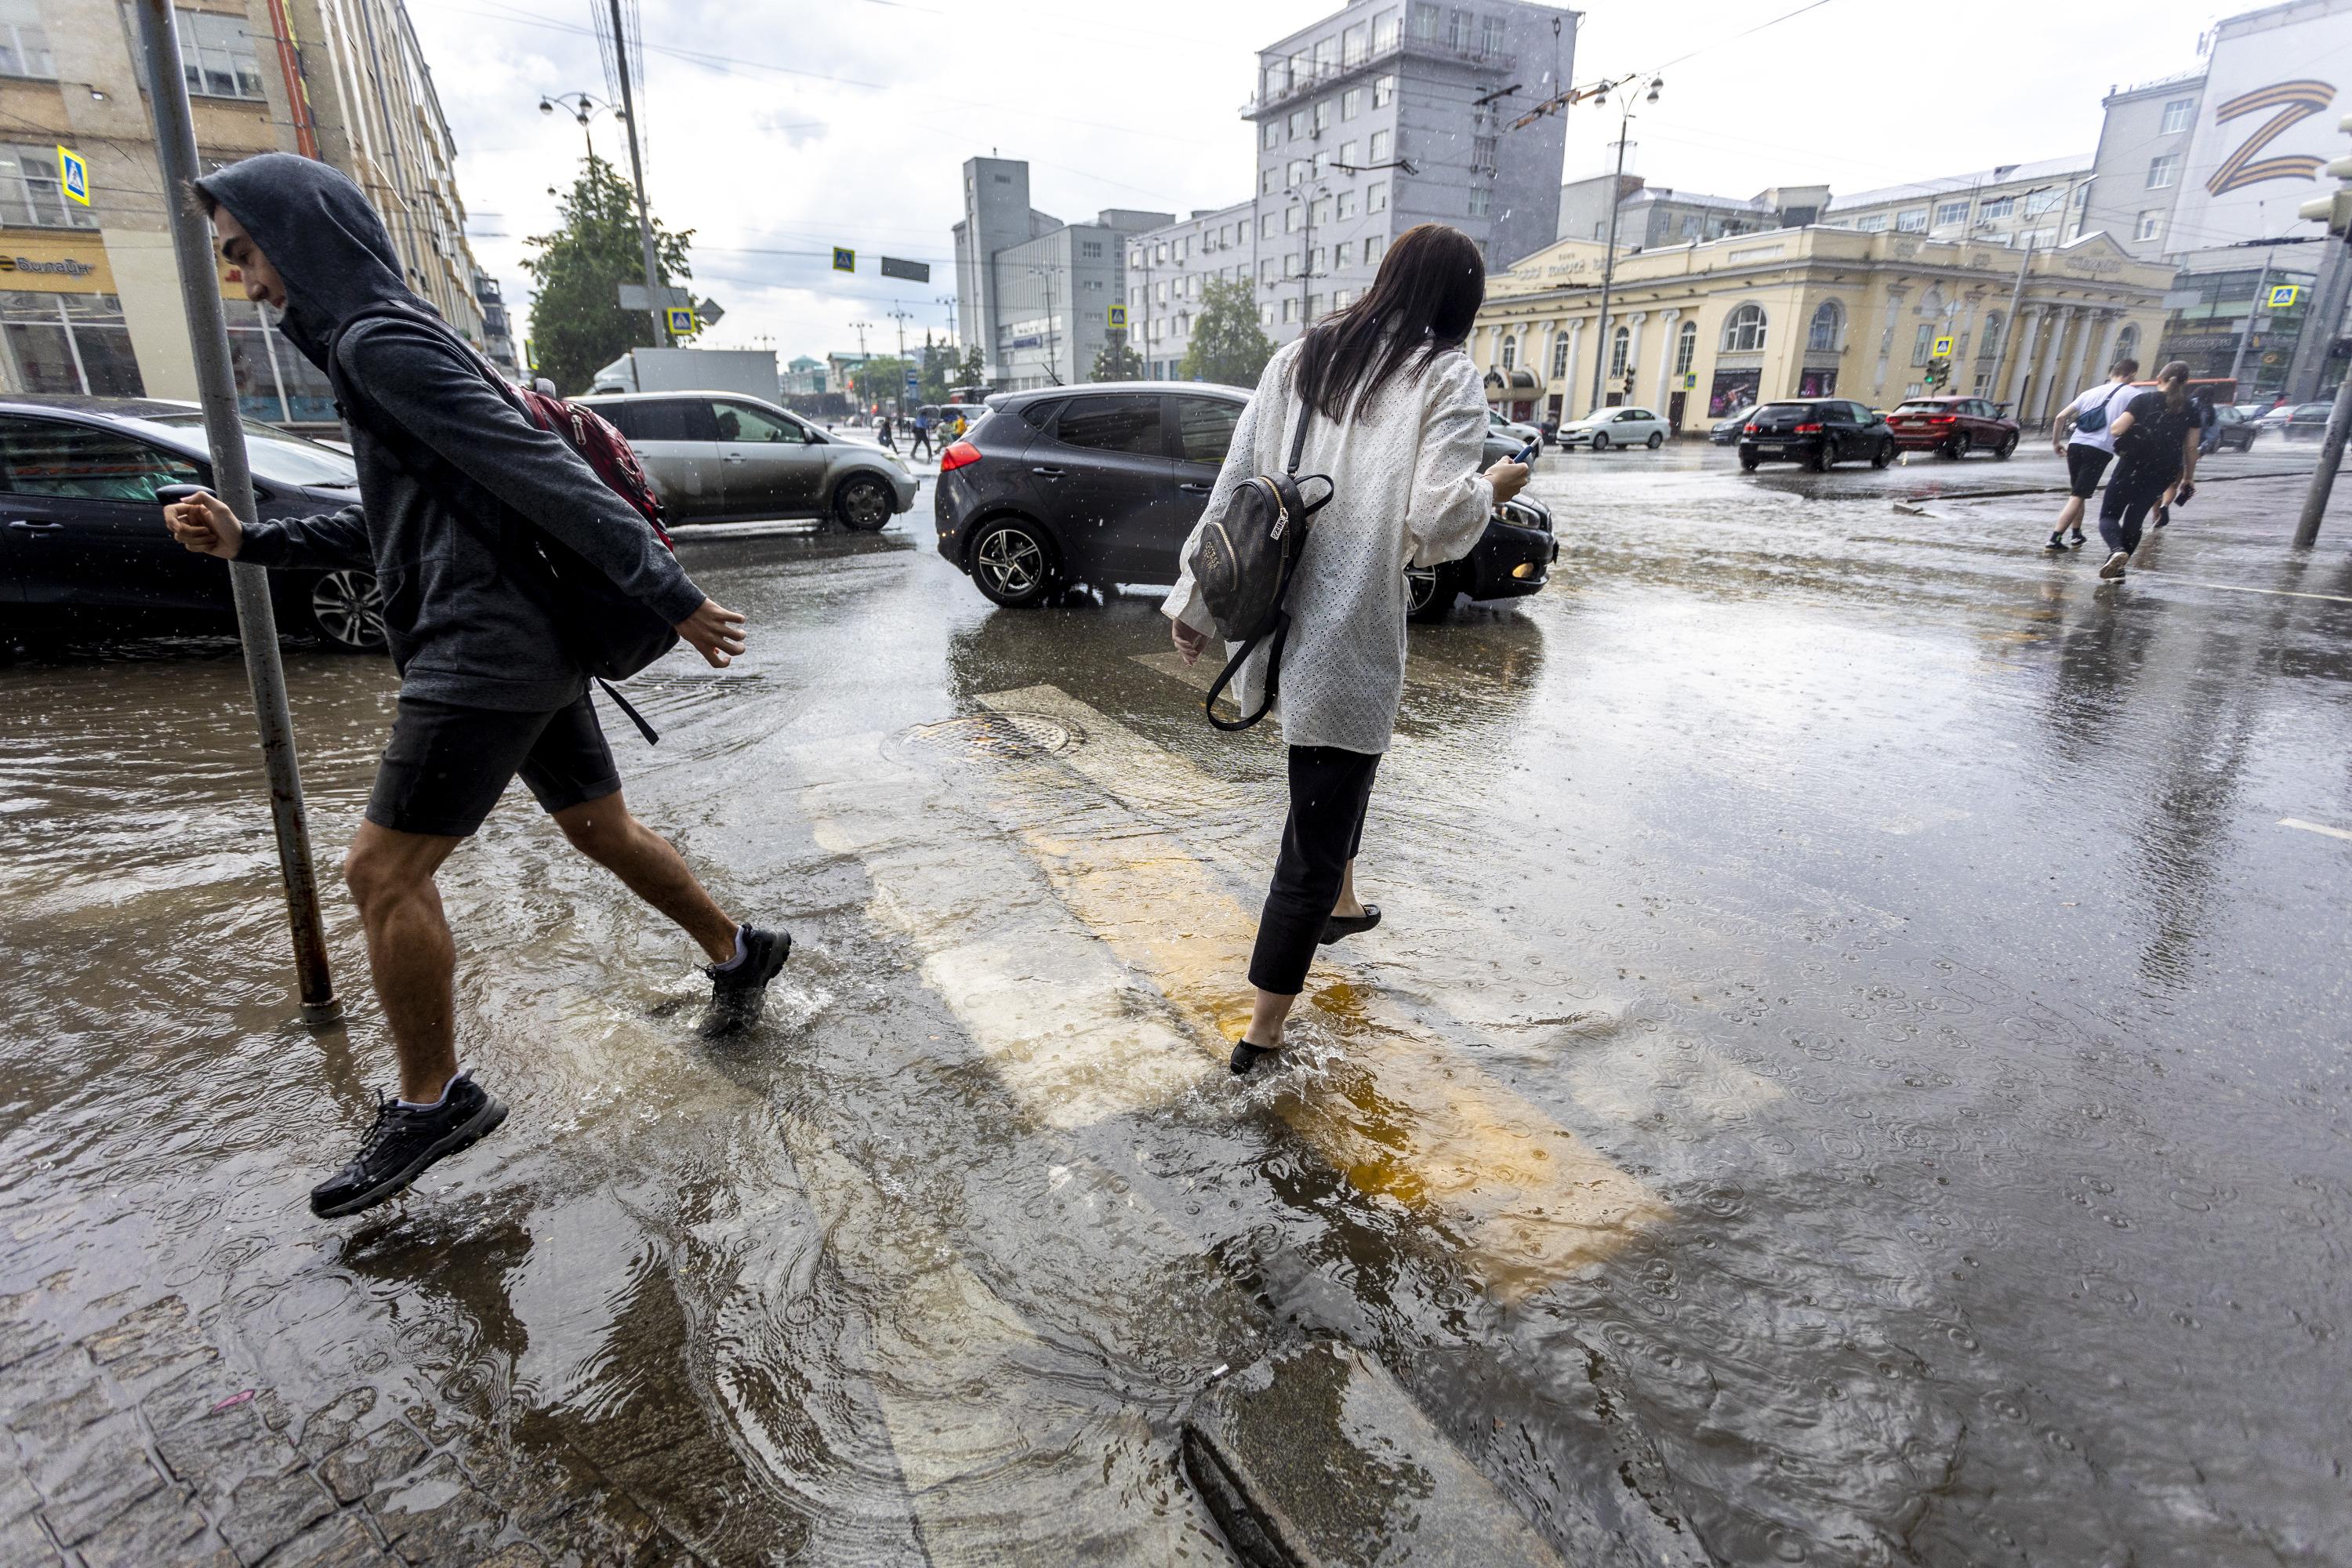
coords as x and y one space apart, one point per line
1281 635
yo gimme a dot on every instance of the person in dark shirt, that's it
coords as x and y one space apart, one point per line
2156 444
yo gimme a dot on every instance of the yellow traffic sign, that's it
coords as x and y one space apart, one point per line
2284 294
843 258
73 173
1941 350
1118 317
681 320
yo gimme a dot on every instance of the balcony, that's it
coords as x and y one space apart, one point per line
1435 50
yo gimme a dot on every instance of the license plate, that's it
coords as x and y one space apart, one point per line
1768 451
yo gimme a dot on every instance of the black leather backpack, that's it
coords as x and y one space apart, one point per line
1244 562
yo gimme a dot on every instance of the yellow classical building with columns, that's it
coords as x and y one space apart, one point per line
1696 330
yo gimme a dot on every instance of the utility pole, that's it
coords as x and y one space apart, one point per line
2009 323
1609 256
2336 212
902 317
637 174
859 328
2246 333
948 300
200 294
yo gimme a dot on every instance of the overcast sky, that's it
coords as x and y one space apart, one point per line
778 130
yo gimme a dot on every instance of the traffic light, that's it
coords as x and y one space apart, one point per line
2334 209
1939 370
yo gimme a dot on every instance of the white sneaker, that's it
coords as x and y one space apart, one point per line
2113 569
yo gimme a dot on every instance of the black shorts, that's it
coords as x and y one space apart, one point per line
445 766
2085 464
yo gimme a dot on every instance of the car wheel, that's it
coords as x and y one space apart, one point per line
1825 456
1013 563
1955 448
348 611
1428 593
1601 440
1657 439
2007 445
862 504
1882 454
1748 460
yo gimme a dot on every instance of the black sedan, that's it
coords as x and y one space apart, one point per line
1102 484
84 531
1724 432
1816 431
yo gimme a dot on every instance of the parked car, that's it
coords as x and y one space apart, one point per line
1952 426
2232 427
2308 422
1102 484
1820 431
1607 427
719 456
1727 429
1518 432
77 483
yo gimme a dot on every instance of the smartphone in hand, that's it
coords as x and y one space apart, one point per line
1526 454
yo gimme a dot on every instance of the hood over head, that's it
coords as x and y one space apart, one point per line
321 235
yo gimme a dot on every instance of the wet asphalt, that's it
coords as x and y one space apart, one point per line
1853 1070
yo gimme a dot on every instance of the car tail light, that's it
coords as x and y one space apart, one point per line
959 454
1809 429
1748 430
1943 419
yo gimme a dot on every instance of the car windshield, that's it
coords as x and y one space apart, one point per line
276 456
2312 411
1924 405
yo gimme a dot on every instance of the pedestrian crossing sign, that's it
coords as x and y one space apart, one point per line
843 258
681 320
1942 349
1119 318
73 174
2284 294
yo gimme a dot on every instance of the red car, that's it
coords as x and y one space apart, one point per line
1949 427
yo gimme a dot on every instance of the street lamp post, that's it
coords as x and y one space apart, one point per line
1609 254
585 107
902 317
628 114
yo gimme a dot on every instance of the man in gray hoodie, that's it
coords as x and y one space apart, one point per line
459 486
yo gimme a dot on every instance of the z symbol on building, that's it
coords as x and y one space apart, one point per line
2294 100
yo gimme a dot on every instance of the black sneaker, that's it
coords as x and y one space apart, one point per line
2057 545
403 1143
2076 542
739 992
2163 515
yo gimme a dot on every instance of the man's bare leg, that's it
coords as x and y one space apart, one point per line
411 957
651 868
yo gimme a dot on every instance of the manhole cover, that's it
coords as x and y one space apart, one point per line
1010 735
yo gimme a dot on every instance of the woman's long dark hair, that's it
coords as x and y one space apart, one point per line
1423 302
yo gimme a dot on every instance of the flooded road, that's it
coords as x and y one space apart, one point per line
1853 1070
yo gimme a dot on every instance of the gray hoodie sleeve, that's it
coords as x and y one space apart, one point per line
441 398
330 539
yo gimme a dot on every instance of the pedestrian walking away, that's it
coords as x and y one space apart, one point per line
882 434
922 435
459 490
2086 437
1395 417
2156 447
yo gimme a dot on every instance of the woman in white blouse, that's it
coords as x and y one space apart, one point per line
1398 420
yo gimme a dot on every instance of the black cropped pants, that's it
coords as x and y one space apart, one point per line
1330 789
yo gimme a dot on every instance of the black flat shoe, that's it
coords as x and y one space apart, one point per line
1246 1056
1337 926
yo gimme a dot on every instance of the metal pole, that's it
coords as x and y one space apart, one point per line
2246 333
1609 261
2009 325
2331 450
637 174
176 150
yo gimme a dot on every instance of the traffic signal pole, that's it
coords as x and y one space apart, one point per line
2336 212
256 624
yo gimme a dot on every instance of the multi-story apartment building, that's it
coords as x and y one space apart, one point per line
1034 292
2143 143
94 298
2042 202
1383 115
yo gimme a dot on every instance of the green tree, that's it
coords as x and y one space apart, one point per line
941 366
974 369
577 326
1228 345
882 379
1116 362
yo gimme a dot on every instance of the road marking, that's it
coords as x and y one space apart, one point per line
2314 827
1406 1116
2241 588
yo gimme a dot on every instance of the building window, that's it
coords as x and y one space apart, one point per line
75 344
217 55
1373 250
1266 226
1743 334
1327 56
30 193
1385 29
1343 256
1355 45
1265 180
1265 271
1999 206
1871 223
2047 199
1457 30
1319 263
1322 167
1348 155
1290 220
1482 154
1490 35
2127 341
1344 204
1270 136
1322 117
1509 356
1950 213
1482 200
1162 291
2176 115
1911 222
1380 146
2151 224
1922 340
1341 299
1686 349
2164 171
1620 344
23 42
1990 339
1290 307
1828 327
1295 174
1297 123
1426 18
1277 79
1351 104
1383 90
1376 196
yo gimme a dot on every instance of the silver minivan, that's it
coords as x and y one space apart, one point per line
722 457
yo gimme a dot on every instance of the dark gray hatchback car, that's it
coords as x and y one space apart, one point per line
1101 484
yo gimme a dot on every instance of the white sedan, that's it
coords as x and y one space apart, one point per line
1615 427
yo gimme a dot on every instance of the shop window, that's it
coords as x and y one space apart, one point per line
68 342
25 42
217 55
30 193
274 381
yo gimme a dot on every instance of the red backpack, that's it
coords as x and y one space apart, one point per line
602 448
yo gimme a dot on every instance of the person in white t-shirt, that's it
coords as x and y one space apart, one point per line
2085 436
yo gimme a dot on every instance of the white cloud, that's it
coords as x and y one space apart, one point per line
777 131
